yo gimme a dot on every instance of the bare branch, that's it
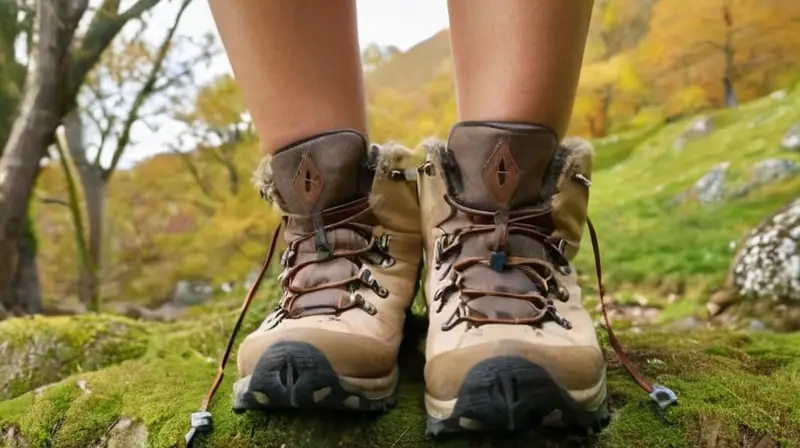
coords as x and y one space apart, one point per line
105 25
144 93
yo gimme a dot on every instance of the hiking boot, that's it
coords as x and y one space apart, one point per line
349 274
510 345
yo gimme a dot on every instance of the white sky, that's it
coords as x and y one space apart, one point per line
403 23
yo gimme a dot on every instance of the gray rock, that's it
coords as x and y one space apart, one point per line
250 280
778 95
192 292
126 433
791 139
700 127
768 263
708 189
773 170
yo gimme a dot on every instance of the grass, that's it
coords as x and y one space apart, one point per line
648 242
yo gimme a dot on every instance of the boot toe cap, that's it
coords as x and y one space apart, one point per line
574 369
349 354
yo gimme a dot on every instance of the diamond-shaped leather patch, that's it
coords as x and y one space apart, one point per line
308 181
501 174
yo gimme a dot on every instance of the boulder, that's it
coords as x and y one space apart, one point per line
700 127
791 139
767 265
36 351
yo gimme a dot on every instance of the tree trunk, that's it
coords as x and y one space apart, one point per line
31 135
95 187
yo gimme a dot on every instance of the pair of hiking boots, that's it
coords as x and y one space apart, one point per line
498 213
494 216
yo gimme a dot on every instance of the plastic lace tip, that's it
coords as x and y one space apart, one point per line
498 261
201 424
663 396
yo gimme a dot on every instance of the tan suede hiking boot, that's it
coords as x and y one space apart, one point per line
510 345
349 275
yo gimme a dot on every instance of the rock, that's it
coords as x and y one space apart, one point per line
773 170
11 438
147 401
251 278
768 263
778 95
167 312
688 324
36 351
700 127
709 189
127 433
192 292
791 139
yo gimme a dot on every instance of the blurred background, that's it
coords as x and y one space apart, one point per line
125 187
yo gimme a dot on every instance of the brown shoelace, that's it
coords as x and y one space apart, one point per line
201 421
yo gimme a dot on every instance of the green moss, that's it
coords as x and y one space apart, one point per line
37 351
727 383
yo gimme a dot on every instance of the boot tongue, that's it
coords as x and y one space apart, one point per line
498 166
321 172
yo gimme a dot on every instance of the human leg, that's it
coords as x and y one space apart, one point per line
350 269
510 344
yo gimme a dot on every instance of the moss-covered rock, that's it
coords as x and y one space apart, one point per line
735 389
36 351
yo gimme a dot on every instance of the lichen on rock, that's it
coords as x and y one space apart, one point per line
768 263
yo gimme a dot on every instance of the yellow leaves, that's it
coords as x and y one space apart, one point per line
220 103
688 100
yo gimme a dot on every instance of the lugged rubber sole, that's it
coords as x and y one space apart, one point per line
514 395
296 375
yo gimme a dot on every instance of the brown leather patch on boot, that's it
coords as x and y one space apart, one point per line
501 174
308 182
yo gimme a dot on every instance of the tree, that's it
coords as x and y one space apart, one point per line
375 55
130 68
721 42
214 125
60 59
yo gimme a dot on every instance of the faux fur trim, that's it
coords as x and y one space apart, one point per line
580 147
262 179
389 157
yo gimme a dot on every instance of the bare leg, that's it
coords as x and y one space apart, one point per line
518 60
298 64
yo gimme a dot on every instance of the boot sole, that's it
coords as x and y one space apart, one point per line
297 375
514 395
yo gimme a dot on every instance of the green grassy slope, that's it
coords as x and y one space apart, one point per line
645 240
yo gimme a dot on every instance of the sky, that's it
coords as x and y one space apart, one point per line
402 23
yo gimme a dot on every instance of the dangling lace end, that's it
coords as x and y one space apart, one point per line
498 260
201 424
201 420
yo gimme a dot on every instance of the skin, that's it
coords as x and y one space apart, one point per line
518 60
299 65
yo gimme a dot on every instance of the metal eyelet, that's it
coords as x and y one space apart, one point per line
387 262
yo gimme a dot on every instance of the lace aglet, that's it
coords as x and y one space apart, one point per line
663 396
201 424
